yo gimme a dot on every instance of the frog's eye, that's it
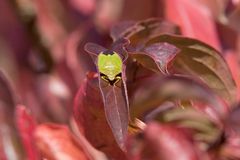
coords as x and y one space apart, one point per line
109 65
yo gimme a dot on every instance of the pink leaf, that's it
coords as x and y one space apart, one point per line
232 60
26 126
85 7
194 19
57 143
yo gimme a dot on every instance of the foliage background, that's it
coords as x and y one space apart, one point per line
43 64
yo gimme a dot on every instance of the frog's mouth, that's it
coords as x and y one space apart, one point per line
112 82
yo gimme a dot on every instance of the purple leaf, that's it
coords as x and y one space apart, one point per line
233 120
143 30
90 117
146 61
201 60
115 97
231 146
173 88
116 109
119 29
137 73
161 53
94 49
204 131
165 142
119 47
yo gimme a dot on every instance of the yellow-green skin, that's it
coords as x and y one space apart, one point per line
110 65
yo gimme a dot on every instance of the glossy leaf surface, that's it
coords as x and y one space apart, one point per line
90 117
198 59
161 53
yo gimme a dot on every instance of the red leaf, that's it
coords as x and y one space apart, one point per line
26 126
163 142
170 142
57 143
116 109
193 17
90 118
230 150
